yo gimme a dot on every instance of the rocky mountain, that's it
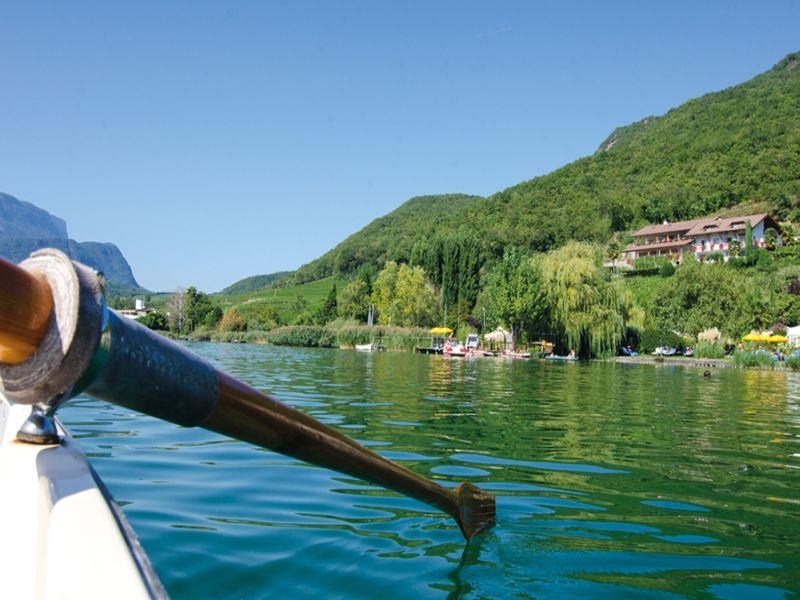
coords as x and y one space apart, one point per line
25 227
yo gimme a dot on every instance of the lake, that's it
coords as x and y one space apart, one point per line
612 480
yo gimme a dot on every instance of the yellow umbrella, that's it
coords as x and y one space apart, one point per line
777 339
755 337
441 331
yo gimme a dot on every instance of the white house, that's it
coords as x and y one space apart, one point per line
700 237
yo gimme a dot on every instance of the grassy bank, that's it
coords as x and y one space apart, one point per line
335 335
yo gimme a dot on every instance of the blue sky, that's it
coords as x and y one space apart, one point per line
211 141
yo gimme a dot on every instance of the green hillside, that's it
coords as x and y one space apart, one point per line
253 283
739 145
282 299
392 237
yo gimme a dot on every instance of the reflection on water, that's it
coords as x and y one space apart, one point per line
611 480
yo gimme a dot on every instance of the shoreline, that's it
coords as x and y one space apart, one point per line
713 363
688 362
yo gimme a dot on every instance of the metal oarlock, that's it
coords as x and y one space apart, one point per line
47 378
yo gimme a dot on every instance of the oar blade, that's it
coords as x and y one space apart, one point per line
476 509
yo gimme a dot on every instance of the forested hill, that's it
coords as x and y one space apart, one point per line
253 283
739 145
392 236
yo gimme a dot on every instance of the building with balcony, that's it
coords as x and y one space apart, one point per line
701 237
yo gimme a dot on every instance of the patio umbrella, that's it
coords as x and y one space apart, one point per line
755 337
777 339
441 331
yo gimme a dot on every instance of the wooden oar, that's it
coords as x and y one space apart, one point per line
139 369
25 307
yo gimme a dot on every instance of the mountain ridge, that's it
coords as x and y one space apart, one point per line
712 153
24 227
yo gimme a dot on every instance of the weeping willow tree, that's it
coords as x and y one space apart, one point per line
587 311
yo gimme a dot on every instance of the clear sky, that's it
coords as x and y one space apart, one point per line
211 141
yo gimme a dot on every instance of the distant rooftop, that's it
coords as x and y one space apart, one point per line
703 226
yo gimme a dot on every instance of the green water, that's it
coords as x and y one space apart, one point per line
612 481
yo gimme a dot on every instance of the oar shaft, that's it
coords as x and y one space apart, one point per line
25 307
252 416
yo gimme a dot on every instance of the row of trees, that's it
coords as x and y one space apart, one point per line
185 311
563 296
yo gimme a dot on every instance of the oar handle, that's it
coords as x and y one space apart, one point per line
25 307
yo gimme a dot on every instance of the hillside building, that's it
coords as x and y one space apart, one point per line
701 237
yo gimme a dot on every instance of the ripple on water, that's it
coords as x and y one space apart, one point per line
612 481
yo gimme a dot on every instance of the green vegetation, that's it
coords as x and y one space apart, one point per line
529 258
515 294
587 314
403 296
747 358
253 283
354 300
309 336
793 362
735 151
391 338
275 306
709 350
155 320
392 237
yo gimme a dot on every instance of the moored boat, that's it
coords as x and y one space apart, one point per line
371 347
455 349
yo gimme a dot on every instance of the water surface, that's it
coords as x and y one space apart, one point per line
612 480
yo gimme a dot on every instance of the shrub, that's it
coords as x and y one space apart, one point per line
212 317
303 335
392 338
793 362
653 338
155 320
648 263
232 321
667 269
709 350
748 358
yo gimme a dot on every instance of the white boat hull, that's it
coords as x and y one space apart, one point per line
61 535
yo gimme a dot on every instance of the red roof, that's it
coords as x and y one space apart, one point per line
705 226
675 227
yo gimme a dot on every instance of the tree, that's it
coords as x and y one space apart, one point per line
770 238
614 252
212 317
199 310
232 321
748 239
176 311
515 294
586 310
701 296
354 301
155 320
403 296
327 312
262 317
